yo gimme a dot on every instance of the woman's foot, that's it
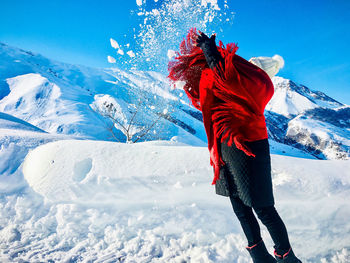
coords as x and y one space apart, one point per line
288 257
259 253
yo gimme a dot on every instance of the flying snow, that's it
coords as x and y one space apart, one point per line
162 27
131 53
171 54
111 59
114 43
139 2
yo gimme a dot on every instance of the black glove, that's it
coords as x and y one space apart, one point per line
211 53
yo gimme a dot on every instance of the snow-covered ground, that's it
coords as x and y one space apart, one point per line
97 201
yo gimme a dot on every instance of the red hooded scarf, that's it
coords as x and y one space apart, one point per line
232 98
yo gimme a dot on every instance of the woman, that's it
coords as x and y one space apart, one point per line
232 94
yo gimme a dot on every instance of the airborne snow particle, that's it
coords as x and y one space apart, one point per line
114 43
111 59
214 4
155 12
179 84
131 53
171 54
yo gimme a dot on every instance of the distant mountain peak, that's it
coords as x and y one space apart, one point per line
291 99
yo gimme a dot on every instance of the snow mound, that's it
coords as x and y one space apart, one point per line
87 175
17 138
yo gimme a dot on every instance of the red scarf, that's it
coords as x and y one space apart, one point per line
231 98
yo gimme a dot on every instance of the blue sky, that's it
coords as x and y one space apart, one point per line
312 36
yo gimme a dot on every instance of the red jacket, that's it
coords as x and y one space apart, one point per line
232 98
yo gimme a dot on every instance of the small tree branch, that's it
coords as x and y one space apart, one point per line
148 129
110 129
134 115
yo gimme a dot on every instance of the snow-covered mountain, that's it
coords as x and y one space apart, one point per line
291 99
99 104
71 99
308 120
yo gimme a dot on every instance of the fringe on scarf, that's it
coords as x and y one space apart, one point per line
233 112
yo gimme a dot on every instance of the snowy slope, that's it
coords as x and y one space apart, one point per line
152 202
291 99
10 122
61 98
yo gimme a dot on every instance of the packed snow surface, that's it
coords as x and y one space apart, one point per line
95 201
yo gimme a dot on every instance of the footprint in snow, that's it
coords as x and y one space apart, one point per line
81 169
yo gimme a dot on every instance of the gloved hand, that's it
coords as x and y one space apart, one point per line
203 41
211 53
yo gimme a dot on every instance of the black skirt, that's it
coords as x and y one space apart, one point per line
246 177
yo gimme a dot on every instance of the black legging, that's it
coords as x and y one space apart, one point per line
269 217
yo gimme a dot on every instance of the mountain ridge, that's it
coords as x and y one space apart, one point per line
297 116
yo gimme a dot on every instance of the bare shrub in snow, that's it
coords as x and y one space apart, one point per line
124 117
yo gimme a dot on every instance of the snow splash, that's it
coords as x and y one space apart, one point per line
162 26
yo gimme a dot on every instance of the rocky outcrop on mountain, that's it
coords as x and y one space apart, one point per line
322 132
308 120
